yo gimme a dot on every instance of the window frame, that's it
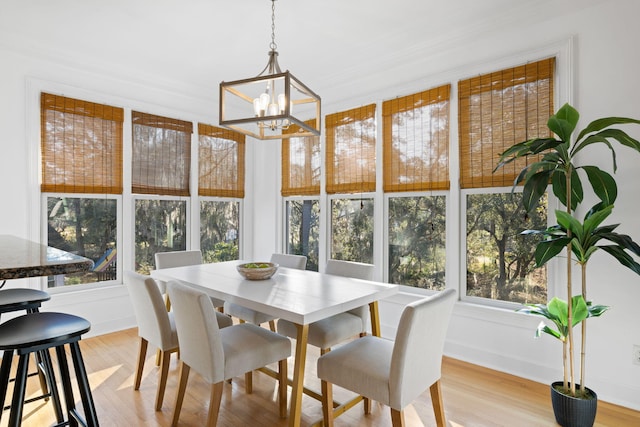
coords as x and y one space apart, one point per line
119 240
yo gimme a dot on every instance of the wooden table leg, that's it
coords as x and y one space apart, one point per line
295 412
375 318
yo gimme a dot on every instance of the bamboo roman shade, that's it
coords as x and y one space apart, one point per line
301 164
351 150
81 146
220 162
415 132
498 110
161 155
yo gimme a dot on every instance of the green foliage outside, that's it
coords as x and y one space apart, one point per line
352 230
500 262
219 225
160 226
303 230
83 226
417 232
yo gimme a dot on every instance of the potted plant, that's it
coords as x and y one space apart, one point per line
581 238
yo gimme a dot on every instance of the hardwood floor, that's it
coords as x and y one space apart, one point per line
473 396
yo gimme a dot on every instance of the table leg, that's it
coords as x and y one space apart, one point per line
375 318
295 412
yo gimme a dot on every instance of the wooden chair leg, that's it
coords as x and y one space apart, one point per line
397 418
282 387
214 403
248 382
367 405
142 355
327 403
165 359
182 386
272 325
438 407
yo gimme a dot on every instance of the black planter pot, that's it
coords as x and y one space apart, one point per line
572 411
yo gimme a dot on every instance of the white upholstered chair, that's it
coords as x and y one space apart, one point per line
220 354
327 332
180 259
155 326
393 373
298 262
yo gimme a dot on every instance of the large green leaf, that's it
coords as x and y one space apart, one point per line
570 223
622 257
622 240
605 122
526 148
594 139
547 249
534 189
564 122
597 310
602 183
579 309
559 186
559 309
596 218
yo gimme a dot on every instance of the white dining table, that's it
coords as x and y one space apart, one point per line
299 296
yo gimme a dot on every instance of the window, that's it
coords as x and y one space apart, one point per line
220 187
497 110
416 161
303 229
301 186
351 169
352 229
161 162
81 151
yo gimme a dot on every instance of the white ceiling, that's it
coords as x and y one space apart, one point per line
330 45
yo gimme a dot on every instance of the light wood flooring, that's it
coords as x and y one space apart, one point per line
473 396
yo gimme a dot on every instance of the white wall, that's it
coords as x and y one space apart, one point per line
606 65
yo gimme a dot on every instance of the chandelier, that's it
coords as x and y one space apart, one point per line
272 105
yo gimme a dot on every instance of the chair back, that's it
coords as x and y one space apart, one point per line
417 353
176 259
198 332
151 314
356 270
299 262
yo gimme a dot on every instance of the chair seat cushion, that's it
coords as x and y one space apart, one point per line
362 366
248 347
327 332
246 314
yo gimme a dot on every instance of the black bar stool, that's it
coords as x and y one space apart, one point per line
39 332
30 300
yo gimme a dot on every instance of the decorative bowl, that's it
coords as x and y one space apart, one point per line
257 270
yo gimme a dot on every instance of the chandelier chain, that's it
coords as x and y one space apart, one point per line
273 44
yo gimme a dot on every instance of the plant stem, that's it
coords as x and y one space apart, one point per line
568 171
583 349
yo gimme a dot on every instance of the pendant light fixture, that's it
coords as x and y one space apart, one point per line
272 105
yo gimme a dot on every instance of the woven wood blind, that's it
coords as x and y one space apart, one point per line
220 162
351 150
415 131
498 110
161 155
81 146
301 164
